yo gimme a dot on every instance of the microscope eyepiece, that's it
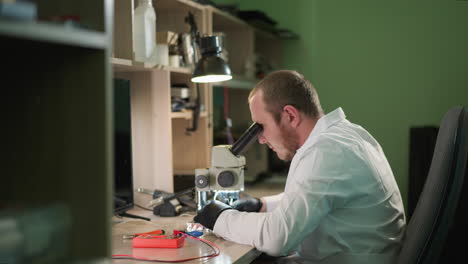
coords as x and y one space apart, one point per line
244 142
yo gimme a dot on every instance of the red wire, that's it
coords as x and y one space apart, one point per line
174 261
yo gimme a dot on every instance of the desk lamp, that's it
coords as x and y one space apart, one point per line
209 68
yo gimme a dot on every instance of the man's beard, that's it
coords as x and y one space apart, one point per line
289 143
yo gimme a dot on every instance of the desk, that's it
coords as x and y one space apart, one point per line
230 252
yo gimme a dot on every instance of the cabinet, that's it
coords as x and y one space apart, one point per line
162 147
57 124
163 151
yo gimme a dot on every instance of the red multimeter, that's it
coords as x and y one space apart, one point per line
158 240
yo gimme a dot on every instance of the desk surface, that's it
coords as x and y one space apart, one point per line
230 252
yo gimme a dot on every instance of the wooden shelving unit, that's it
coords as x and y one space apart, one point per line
54 34
163 148
58 136
161 144
187 114
125 65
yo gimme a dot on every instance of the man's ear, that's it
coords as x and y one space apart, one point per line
292 115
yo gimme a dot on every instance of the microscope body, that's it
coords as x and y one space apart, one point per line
224 180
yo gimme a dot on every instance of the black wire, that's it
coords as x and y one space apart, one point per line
206 243
196 111
142 207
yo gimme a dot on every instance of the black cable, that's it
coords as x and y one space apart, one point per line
142 207
196 111
212 248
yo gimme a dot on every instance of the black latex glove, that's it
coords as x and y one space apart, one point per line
209 214
248 205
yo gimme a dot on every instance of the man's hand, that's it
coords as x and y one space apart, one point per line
248 205
209 214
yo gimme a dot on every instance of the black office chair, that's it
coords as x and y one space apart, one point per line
434 218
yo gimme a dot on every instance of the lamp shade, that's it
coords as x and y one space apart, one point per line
211 67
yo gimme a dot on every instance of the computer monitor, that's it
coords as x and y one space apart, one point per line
123 176
123 169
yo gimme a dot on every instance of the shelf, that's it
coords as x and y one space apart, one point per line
178 4
186 114
265 34
224 20
56 34
124 65
176 70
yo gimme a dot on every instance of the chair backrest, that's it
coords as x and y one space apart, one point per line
434 214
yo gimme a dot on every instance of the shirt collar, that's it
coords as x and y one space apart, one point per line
323 124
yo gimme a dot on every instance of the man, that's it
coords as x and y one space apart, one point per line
341 203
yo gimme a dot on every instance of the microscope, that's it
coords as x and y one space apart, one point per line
224 180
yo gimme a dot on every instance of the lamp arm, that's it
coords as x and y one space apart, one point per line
194 34
196 111
195 39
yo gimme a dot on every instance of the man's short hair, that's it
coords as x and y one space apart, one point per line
285 87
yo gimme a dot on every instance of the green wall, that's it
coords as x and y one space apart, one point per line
389 64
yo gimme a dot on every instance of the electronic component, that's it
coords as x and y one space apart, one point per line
156 240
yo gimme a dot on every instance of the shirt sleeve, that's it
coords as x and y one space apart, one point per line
301 207
272 201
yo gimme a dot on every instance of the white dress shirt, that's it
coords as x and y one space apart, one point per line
341 203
